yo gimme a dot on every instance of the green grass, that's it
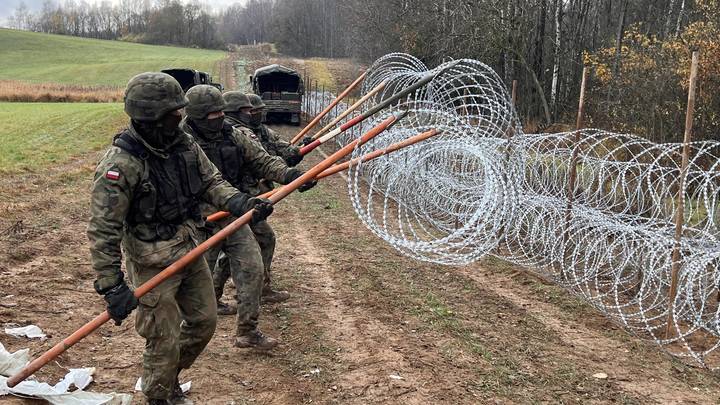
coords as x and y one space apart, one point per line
38 135
36 57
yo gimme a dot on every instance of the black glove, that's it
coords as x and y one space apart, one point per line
120 302
294 174
237 205
294 158
262 208
241 203
306 141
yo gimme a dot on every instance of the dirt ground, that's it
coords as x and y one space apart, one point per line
364 325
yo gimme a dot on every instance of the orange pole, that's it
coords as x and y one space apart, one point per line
224 214
376 154
329 108
351 109
364 158
191 256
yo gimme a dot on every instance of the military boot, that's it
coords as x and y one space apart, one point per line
270 296
255 339
178 397
226 309
151 401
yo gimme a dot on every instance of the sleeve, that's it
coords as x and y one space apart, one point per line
259 162
217 191
280 147
113 185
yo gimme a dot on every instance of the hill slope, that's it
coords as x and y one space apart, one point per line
40 57
56 133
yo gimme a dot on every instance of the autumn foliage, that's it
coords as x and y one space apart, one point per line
643 90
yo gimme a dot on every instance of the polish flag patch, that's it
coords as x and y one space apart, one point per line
112 175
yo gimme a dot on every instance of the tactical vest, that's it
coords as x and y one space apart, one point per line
168 193
225 154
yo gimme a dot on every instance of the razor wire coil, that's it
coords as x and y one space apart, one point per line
484 187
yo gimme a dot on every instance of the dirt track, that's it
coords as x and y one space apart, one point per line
365 325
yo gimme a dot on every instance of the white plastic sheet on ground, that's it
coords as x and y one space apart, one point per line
58 394
184 387
30 331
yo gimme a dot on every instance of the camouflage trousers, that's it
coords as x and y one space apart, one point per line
177 318
265 237
243 263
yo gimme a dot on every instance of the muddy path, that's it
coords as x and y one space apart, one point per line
364 324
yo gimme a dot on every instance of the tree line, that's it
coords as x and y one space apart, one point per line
164 22
638 49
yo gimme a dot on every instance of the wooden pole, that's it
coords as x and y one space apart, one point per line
572 169
514 93
680 210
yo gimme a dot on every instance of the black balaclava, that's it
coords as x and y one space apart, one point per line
161 133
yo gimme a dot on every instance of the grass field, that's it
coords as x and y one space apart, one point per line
39 57
39 135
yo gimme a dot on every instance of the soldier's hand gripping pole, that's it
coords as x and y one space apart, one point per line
376 108
329 108
192 255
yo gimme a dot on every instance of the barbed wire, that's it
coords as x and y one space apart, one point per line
485 188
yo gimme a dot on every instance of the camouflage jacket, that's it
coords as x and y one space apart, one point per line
251 164
269 140
114 192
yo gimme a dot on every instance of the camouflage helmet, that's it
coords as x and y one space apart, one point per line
203 100
150 95
236 100
256 101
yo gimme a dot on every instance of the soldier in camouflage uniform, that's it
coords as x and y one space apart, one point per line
146 197
247 112
237 156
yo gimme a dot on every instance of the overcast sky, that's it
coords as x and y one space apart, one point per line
7 7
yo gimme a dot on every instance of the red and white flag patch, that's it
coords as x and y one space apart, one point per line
112 175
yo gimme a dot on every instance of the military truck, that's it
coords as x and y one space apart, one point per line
282 89
191 77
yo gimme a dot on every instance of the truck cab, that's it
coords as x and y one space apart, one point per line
281 89
191 77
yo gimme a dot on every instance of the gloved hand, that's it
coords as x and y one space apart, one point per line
237 205
241 203
294 174
120 302
306 141
294 159
262 208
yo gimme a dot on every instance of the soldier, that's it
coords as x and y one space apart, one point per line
237 156
247 111
146 196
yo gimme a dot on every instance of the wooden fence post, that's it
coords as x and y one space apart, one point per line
680 207
572 165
